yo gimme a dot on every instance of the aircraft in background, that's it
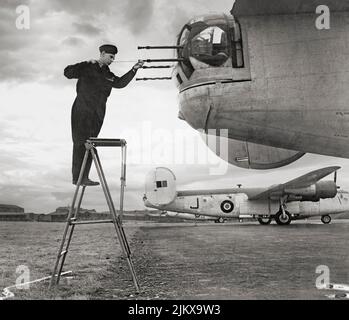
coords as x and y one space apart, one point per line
267 81
297 199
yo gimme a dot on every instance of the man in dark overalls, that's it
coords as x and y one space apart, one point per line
95 81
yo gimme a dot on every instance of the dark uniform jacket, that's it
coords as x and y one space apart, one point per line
93 89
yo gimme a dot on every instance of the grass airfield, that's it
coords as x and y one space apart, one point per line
205 261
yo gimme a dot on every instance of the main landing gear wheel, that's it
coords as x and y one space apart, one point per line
264 221
283 219
326 219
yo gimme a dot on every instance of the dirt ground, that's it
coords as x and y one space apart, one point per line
180 261
244 261
94 249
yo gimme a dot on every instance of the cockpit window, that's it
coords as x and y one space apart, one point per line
184 53
211 46
204 45
184 36
238 55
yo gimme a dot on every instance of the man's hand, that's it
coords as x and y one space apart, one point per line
138 65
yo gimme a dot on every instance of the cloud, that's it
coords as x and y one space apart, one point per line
11 38
139 14
62 196
87 29
73 42
80 7
32 55
6 134
10 161
16 69
12 4
20 49
23 196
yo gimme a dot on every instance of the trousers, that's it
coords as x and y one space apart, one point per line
78 157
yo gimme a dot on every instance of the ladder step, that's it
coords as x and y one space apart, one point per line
63 253
107 142
92 222
71 221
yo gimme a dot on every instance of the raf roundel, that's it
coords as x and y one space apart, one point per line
227 206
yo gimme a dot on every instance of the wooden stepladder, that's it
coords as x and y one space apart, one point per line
72 220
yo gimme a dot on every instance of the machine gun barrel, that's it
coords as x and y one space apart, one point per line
160 78
159 47
157 67
164 60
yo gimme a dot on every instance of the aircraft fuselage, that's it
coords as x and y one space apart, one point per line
211 205
291 93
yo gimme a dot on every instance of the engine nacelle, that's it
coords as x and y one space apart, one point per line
320 190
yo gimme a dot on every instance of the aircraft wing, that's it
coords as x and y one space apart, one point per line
301 182
274 7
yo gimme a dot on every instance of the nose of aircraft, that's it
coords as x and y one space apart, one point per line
181 116
194 107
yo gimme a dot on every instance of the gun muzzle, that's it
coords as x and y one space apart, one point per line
159 47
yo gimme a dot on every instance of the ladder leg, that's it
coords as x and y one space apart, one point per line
72 227
59 255
54 273
111 204
116 219
122 196
134 276
118 227
123 180
122 187
55 276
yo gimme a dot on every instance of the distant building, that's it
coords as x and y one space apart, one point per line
61 215
32 216
10 208
9 212
13 216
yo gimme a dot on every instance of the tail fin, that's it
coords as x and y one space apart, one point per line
160 187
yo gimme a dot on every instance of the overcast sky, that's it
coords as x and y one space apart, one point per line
36 100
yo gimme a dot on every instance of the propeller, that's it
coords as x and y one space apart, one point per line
335 179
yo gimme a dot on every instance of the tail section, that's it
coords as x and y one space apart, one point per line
160 187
